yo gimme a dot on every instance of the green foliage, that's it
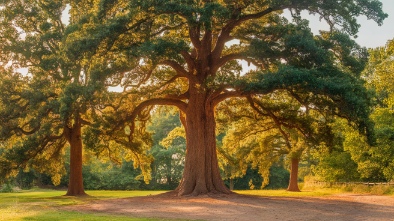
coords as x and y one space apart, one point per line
107 176
278 179
168 149
304 95
31 178
7 188
337 167
160 52
378 72
374 163
64 90
32 126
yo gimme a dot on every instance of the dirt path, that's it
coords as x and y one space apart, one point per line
344 207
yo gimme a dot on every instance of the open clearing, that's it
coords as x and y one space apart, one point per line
250 205
339 207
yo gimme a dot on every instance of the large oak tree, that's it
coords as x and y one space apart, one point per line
184 53
49 96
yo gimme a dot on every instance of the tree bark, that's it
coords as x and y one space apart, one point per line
201 173
293 183
75 185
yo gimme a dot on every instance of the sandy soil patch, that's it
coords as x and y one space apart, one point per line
343 207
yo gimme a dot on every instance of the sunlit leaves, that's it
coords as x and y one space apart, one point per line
379 73
64 88
158 51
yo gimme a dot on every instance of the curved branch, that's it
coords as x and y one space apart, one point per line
24 132
151 102
85 122
43 144
229 27
230 57
171 80
194 34
183 96
224 95
177 67
274 118
167 28
141 81
157 101
252 104
189 61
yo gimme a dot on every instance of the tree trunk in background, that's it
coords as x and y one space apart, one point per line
201 173
75 185
293 183
231 184
169 172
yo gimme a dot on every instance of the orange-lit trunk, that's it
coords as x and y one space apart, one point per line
201 174
293 183
75 185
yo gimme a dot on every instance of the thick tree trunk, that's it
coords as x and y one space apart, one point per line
293 183
75 185
201 174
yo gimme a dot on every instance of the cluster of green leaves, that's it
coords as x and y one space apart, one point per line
64 89
31 33
99 175
379 71
352 157
317 80
168 149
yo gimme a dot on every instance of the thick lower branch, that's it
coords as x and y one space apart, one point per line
157 101
227 94
177 67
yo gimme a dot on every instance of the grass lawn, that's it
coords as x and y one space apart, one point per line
40 204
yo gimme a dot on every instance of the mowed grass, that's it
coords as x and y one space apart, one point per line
40 204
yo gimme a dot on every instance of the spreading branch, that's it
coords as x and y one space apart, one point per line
225 95
229 27
177 67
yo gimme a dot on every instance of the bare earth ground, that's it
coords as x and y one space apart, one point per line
341 207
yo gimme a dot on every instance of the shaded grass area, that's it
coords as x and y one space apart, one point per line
40 204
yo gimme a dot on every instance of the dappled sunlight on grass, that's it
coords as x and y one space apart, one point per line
42 204
75 216
56 197
16 211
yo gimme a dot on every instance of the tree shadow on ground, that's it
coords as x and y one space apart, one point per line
345 207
